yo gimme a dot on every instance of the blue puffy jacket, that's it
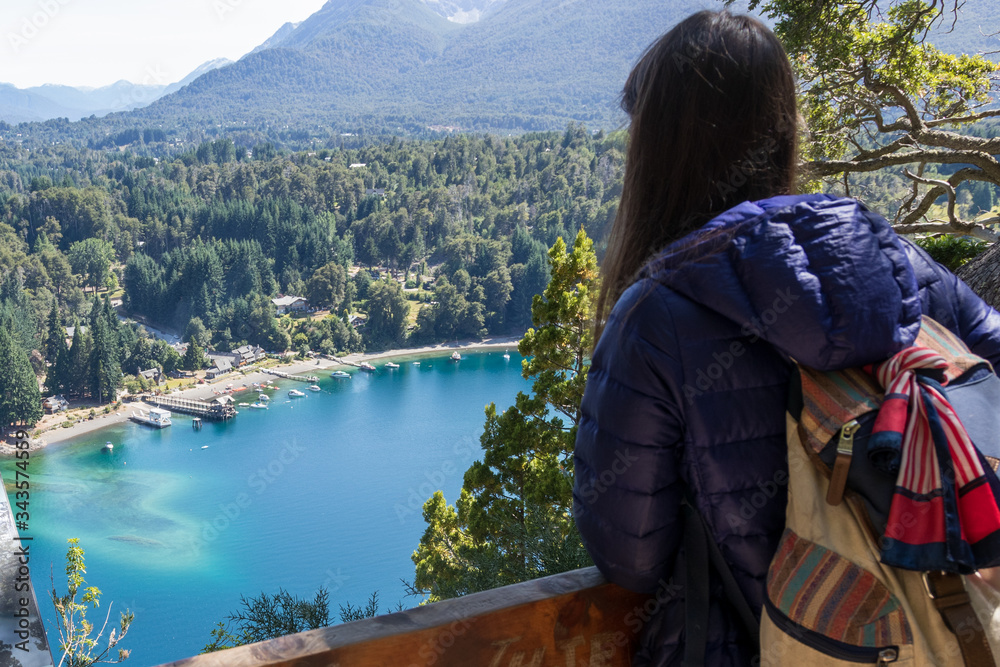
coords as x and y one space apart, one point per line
688 389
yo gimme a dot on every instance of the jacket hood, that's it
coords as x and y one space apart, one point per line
823 279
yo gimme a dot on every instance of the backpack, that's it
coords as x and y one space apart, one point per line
830 599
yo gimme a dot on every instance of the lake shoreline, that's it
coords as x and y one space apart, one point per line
58 435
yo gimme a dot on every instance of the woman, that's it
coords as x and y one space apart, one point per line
717 276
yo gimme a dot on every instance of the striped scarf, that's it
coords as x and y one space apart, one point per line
944 513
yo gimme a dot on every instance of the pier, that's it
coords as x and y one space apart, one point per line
308 378
214 411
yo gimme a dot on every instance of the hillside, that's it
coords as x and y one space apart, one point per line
525 65
371 67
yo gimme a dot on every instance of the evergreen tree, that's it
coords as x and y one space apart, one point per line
20 400
194 357
105 370
513 520
58 373
55 334
77 376
387 313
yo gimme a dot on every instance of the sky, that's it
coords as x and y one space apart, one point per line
98 42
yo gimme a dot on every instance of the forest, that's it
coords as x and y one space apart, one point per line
420 241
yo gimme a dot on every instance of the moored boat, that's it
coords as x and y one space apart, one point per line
342 375
314 387
367 367
108 447
455 356
155 417
295 393
258 406
389 364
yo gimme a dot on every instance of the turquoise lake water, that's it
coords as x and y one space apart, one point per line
324 490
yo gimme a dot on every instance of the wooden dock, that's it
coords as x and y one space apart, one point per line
213 411
308 378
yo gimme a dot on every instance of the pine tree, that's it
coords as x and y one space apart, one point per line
20 400
105 370
77 369
194 357
55 333
514 521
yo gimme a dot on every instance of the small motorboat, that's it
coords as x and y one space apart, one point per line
258 406
455 356
263 398
341 375
389 364
506 355
416 363
314 387
204 446
295 393
108 447
367 367
244 404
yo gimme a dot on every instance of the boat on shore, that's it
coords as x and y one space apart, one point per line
455 356
367 367
155 417
389 364
341 375
295 393
314 387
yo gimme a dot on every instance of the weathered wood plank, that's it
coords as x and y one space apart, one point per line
567 620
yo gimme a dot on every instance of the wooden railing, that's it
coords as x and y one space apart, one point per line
571 619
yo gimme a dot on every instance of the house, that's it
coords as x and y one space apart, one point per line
221 367
357 321
376 192
153 375
289 304
55 404
357 165
247 354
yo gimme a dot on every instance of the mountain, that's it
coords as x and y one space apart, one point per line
523 65
275 39
40 103
463 11
376 66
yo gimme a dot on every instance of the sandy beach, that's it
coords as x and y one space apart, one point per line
209 390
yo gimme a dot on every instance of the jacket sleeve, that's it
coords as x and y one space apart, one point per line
951 302
627 493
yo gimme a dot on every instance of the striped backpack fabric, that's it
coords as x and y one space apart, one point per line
892 514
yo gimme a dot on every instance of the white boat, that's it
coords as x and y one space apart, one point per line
367 367
156 417
295 393
244 404
343 375
455 356
416 363
108 447
258 406
389 364
263 398
506 355
204 447
314 387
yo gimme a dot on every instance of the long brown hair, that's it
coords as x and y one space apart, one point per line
713 124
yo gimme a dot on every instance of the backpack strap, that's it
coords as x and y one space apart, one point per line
702 555
951 599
